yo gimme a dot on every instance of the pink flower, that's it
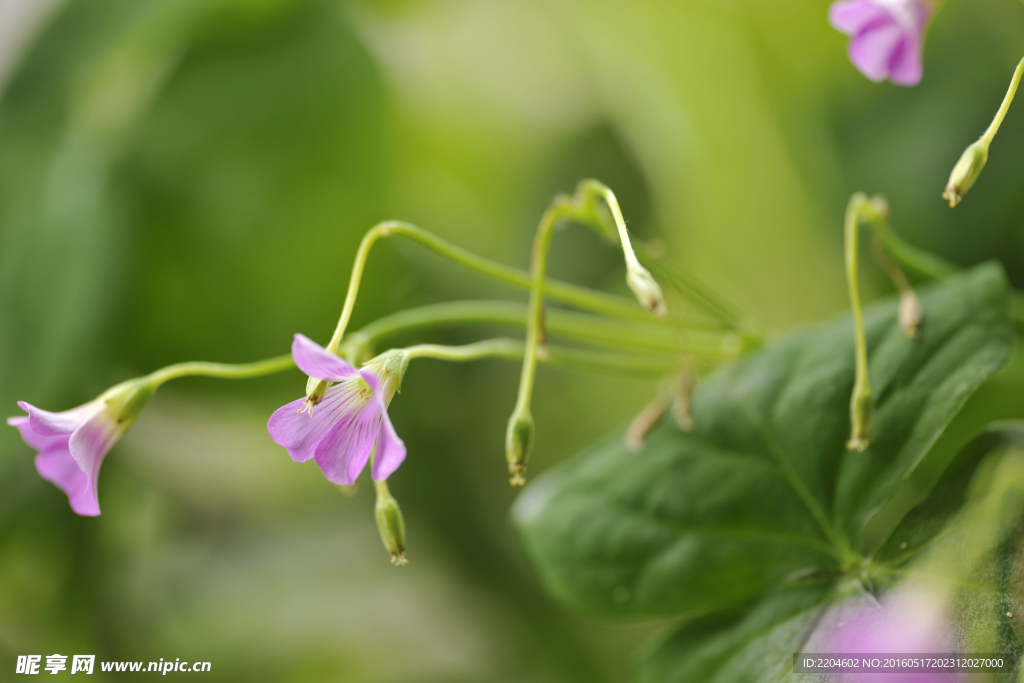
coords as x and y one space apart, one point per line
349 423
886 36
910 620
72 444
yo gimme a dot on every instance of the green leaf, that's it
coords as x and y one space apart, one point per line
763 490
924 523
739 649
969 523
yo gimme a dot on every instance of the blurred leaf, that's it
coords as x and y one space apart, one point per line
763 489
922 524
977 505
757 647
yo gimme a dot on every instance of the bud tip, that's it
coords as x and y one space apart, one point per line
910 315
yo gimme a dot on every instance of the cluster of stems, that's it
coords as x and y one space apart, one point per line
606 333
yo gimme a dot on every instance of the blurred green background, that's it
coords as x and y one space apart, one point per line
188 179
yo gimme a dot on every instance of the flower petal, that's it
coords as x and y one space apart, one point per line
48 424
871 50
851 16
299 432
905 63
390 451
91 442
40 442
56 465
343 453
317 362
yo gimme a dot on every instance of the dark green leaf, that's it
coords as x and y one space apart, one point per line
763 489
971 524
756 647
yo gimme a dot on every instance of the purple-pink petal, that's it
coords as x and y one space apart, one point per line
905 64
871 49
390 451
38 441
45 423
91 442
343 452
851 16
317 362
71 446
299 431
886 36
57 466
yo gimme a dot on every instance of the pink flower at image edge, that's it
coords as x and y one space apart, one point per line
71 447
886 36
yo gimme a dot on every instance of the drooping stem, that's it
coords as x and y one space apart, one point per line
581 207
519 436
861 402
222 370
997 121
638 279
876 211
573 295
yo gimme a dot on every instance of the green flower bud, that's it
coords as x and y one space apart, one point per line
966 171
315 390
518 446
861 411
647 290
390 524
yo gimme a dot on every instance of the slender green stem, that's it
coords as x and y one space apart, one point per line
223 370
917 261
638 279
581 326
573 359
993 127
604 192
573 295
535 315
489 348
860 403
928 265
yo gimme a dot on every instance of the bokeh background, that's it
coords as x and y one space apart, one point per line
188 179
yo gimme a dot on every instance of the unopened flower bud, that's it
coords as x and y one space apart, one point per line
647 290
966 171
315 390
861 411
911 314
518 446
390 525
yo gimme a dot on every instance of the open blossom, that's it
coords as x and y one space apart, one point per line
341 429
886 36
910 620
72 444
